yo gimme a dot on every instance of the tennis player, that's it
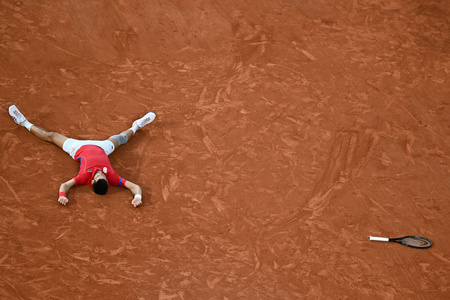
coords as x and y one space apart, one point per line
95 167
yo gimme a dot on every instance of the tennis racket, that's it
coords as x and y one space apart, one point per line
410 241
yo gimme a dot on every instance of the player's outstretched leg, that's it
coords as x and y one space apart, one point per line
125 136
52 137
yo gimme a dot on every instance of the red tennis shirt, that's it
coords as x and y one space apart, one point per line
92 159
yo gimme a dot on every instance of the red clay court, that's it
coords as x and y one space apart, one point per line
287 133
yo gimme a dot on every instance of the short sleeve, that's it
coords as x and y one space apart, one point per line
81 179
116 180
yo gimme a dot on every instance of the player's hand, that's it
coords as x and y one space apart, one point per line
136 202
63 200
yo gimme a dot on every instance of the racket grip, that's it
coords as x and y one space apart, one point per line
382 239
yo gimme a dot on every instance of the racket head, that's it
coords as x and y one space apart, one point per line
414 241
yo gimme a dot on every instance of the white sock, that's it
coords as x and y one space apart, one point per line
134 128
27 125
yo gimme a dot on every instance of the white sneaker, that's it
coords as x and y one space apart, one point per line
16 114
145 120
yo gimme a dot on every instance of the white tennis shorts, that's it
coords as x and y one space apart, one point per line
71 146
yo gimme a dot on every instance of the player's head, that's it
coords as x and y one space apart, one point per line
99 183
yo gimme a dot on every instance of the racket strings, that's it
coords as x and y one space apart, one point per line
416 242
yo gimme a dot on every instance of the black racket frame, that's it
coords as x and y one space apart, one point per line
400 241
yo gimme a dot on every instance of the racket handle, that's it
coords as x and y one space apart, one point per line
382 239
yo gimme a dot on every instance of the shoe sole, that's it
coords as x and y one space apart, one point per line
11 110
151 119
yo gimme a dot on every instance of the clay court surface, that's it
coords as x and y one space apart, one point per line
287 133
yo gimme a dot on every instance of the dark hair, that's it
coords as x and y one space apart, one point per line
100 186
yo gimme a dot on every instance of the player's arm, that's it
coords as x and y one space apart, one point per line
64 189
136 191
